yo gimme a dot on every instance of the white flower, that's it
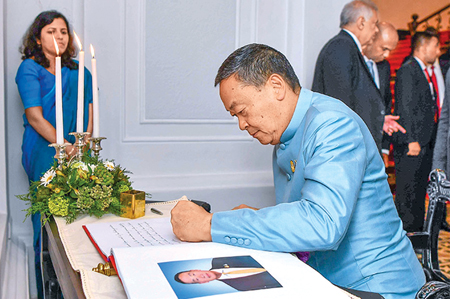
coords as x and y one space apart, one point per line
109 165
48 177
92 166
81 165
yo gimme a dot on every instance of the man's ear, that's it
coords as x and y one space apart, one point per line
360 23
278 85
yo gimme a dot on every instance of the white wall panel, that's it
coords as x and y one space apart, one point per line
3 173
177 59
166 122
160 112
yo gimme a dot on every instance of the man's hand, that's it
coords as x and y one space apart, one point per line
390 125
242 206
190 222
414 149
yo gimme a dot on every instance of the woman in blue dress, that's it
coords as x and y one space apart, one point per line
36 83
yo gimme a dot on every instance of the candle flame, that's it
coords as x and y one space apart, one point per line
56 46
78 40
92 51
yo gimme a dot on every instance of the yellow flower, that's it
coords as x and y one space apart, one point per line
81 173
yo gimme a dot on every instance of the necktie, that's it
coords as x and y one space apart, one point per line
436 90
370 66
244 271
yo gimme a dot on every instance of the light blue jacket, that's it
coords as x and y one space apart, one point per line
333 199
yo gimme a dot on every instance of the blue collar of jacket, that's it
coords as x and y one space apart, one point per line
303 104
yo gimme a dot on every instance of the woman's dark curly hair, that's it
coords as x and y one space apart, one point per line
31 49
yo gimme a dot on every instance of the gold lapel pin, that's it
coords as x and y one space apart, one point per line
293 165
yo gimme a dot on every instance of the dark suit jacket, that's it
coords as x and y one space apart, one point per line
384 72
442 147
342 73
415 105
444 62
253 282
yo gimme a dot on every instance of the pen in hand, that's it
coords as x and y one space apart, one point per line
156 211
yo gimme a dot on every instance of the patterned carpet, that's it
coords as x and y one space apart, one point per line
444 251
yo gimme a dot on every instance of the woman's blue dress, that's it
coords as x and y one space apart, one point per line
37 88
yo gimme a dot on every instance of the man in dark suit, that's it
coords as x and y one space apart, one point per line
416 94
375 55
229 271
341 71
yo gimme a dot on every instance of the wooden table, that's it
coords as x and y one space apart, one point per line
68 279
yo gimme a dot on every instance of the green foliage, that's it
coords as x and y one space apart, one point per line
90 186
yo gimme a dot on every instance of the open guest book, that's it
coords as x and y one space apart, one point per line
152 263
131 233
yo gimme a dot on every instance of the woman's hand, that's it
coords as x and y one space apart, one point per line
70 150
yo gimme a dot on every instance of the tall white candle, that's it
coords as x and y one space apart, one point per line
96 116
80 106
58 98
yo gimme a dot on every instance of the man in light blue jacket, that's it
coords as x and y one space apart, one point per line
333 199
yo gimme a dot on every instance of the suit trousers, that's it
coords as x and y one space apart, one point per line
411 185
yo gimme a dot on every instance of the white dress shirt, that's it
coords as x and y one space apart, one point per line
355 39
225 271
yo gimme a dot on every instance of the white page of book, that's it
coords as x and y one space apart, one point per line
132 233
142 277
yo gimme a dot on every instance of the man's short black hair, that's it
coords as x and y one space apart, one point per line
422 37
253 65
177 277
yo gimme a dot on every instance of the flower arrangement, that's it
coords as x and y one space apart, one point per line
87 186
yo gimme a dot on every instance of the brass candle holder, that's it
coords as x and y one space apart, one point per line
60 152
79 143
96 148
134 202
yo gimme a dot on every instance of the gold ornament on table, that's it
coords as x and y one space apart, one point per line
106 269
134 203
